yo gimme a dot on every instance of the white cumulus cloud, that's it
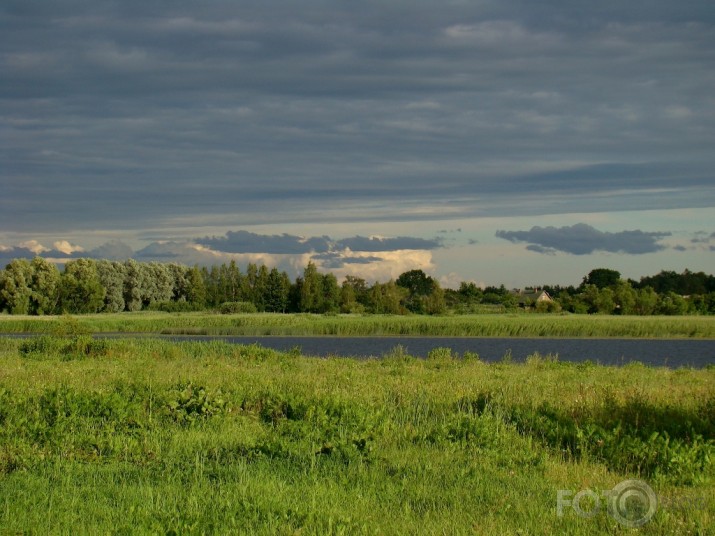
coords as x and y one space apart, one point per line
66 247
34 246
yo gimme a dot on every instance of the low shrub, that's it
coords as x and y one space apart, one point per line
48 346
189 403
176 307
44 345
229 308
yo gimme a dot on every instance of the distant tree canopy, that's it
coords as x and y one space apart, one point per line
424 294
37 287
686 284
602 278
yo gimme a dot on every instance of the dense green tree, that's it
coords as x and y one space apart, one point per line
470 293
330 299
353 295
496 295
136 285
602 278
277 291
348 300
260 291
625 298
419 286
45 286
686 284
2 283
159 284
672 304
311 290
80 288
600 301
196 287
387 298
416 282
231 282
37 287
180 282
212 286
111 277
646 301
15 287
434 303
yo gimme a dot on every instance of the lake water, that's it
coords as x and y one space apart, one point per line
658 352
673 353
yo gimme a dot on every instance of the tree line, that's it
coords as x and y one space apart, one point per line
38 287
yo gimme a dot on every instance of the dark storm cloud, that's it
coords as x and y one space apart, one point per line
582 239
141 114
334 253
246 242
541 249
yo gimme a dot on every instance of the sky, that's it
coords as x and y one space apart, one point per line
496 141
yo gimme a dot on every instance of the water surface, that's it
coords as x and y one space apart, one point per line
658 352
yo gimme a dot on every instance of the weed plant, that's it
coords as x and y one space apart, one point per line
147 436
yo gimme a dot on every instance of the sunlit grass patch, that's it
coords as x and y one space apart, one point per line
150 436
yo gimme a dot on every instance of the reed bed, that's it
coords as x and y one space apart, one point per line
503 325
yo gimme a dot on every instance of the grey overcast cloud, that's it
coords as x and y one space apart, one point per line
507 141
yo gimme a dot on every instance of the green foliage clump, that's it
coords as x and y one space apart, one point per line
240 307
70 339
43 345
189 403
632 436
175 307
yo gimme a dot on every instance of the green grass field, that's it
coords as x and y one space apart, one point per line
496 325
136 436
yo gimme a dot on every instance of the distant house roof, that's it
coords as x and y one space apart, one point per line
530 295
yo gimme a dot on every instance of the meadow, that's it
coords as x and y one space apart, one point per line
133 436
487 325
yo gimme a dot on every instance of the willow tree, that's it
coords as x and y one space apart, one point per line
45 287
111 276
15 287
81 291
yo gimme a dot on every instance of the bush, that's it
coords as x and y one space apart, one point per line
176 306
189 403
76 347
229 308
69 326
85 346
42 345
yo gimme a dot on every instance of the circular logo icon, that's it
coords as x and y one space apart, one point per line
632 503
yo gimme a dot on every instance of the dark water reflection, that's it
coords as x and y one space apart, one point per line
657 352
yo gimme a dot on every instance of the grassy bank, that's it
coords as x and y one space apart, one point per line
504 325
146 436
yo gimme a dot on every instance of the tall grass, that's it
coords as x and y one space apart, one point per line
513 325
147 436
